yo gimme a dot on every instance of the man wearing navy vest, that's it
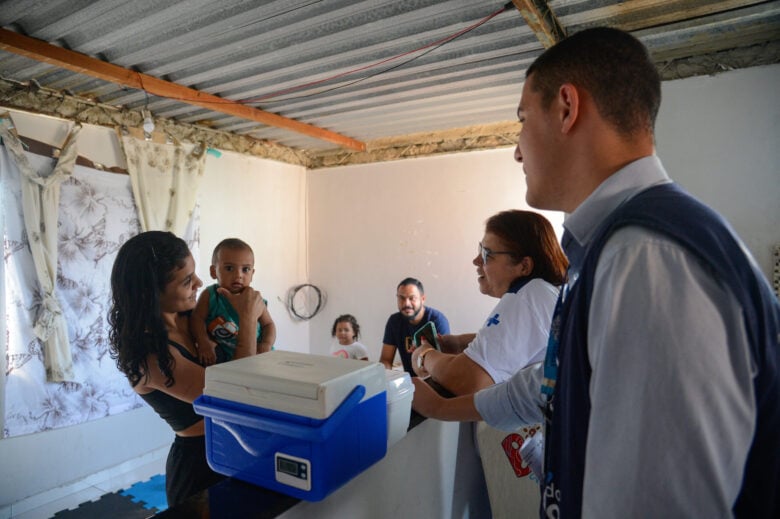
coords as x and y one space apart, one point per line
660 389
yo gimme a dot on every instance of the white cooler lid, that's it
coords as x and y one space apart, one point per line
297 383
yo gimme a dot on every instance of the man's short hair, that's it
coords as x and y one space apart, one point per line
611 65
412 281
229 243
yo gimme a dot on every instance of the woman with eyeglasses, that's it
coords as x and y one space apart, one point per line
520 263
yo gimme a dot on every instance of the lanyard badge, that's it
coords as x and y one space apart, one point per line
551 357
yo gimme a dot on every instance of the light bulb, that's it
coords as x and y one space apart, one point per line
148 122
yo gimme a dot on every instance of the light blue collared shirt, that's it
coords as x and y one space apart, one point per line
672 409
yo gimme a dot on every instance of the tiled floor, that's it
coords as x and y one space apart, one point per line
110 506
111 482
71 501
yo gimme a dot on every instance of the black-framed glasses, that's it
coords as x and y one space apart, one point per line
486 253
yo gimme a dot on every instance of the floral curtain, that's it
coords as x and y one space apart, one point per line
97 214
165 181
40 189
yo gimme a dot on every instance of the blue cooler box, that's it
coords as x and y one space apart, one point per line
296 423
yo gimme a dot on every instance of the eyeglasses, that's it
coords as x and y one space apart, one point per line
486 253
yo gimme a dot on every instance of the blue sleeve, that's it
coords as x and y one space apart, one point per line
441 322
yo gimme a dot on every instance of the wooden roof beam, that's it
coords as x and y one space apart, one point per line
83 64
541 20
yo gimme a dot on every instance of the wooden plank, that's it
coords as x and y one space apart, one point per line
83 64
641 14
47 150
542 21
425 144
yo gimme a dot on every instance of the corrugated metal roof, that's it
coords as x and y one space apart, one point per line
390 77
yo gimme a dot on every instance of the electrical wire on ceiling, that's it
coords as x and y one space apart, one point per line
234 28
427 48
430 47
345 85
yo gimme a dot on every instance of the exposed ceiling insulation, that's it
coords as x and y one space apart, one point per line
324 82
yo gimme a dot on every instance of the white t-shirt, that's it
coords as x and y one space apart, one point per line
515 332
355 350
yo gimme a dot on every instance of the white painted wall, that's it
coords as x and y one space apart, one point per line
719 137
369 226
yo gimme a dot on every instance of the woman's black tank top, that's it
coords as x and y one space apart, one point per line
178 413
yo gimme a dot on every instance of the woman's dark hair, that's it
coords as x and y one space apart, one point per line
142 268
526 233
346 318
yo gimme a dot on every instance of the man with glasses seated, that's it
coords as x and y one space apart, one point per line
411 316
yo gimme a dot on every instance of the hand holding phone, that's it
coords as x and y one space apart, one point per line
429 332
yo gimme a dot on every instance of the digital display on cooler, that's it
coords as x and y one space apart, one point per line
293 471
288 466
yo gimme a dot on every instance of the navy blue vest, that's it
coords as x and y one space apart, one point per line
669 210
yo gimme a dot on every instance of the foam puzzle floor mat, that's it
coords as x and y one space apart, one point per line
140 501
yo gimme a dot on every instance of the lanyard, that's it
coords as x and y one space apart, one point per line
575 252
553 342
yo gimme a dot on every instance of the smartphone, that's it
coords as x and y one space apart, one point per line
429 332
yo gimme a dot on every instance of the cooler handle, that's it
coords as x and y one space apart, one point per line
302 432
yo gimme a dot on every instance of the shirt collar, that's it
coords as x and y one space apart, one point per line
610 194
517 284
